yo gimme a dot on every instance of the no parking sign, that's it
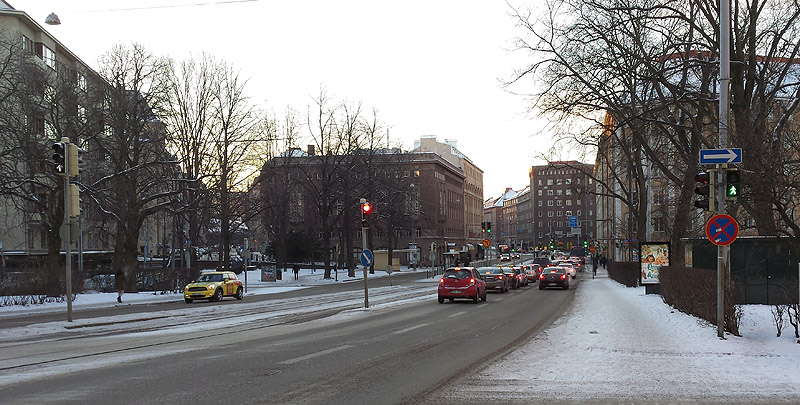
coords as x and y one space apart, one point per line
722 229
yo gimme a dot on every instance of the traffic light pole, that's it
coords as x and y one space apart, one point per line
65 226
724 106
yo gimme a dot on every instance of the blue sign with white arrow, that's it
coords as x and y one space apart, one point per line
720 156
573 221
366 257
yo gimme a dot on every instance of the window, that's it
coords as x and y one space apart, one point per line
569 203
540 193
540 203
540 182
568 181
550 192
578 202
549 182
49 57
550 214
82 81
658 224
550 203
27 44
559 182
578 213
658 197
560 203
560 213
568 191
540 214
559 192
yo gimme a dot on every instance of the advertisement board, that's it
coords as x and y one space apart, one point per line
268 273
651 257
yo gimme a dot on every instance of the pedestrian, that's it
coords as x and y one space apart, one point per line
603 261
119 283
296 270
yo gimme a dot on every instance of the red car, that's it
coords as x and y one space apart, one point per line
462 282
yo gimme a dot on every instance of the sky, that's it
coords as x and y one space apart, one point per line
613 342
428 67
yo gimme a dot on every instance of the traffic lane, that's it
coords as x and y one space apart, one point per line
380 356
26 319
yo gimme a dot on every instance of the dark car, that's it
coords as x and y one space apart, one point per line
495 278
513 277
541 261
556 276
461 282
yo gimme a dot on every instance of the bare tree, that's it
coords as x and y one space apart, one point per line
137 167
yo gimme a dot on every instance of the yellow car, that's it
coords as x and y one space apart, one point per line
213 286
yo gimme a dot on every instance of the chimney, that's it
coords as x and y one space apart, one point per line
310 150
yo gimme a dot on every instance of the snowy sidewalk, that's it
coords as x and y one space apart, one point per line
619 345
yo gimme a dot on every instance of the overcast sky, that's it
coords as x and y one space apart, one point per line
428 67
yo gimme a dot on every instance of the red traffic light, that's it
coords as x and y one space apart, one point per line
702 177
366 208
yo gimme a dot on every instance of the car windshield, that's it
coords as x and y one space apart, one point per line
206 278
458 274
491 270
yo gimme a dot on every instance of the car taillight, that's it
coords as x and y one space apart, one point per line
441 281
499 277
471 282
563 276
541 276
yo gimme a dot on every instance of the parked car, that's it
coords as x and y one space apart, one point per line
513 279
495 278
213 286
533 271
554 276
521 276
570 269
462 282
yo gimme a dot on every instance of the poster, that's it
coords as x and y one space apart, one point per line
651 257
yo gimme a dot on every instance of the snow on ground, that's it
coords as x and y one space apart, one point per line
618 344
307 278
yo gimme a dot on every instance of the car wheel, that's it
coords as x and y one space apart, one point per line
441 300
217 295
240 293
541 287
188 300
484 296
477 296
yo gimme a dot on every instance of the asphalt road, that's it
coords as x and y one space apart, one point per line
395 354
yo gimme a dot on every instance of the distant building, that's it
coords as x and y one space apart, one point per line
561 191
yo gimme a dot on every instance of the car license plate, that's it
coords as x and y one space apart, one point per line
455 291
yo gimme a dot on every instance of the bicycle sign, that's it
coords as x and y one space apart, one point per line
722 229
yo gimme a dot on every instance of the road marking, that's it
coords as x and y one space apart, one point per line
317 354
397 332
499 299
457 314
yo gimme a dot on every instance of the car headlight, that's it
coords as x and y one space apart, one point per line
186 288
211 286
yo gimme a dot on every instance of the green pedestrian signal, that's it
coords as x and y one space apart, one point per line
733 183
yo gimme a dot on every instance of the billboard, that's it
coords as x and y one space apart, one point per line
651 257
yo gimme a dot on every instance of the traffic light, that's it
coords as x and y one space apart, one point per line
585 243
732 184
366 210
705 190
483 227
488 227
74 200
74 160
59 157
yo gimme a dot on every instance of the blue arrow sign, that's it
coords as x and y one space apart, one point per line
719 156
366 257
573 221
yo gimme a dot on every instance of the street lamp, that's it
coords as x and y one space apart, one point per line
52 19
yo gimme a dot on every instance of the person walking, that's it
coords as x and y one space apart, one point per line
296 271
119 283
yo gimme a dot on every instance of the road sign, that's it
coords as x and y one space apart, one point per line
573 221
722 229
367 258
486 243
719 156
